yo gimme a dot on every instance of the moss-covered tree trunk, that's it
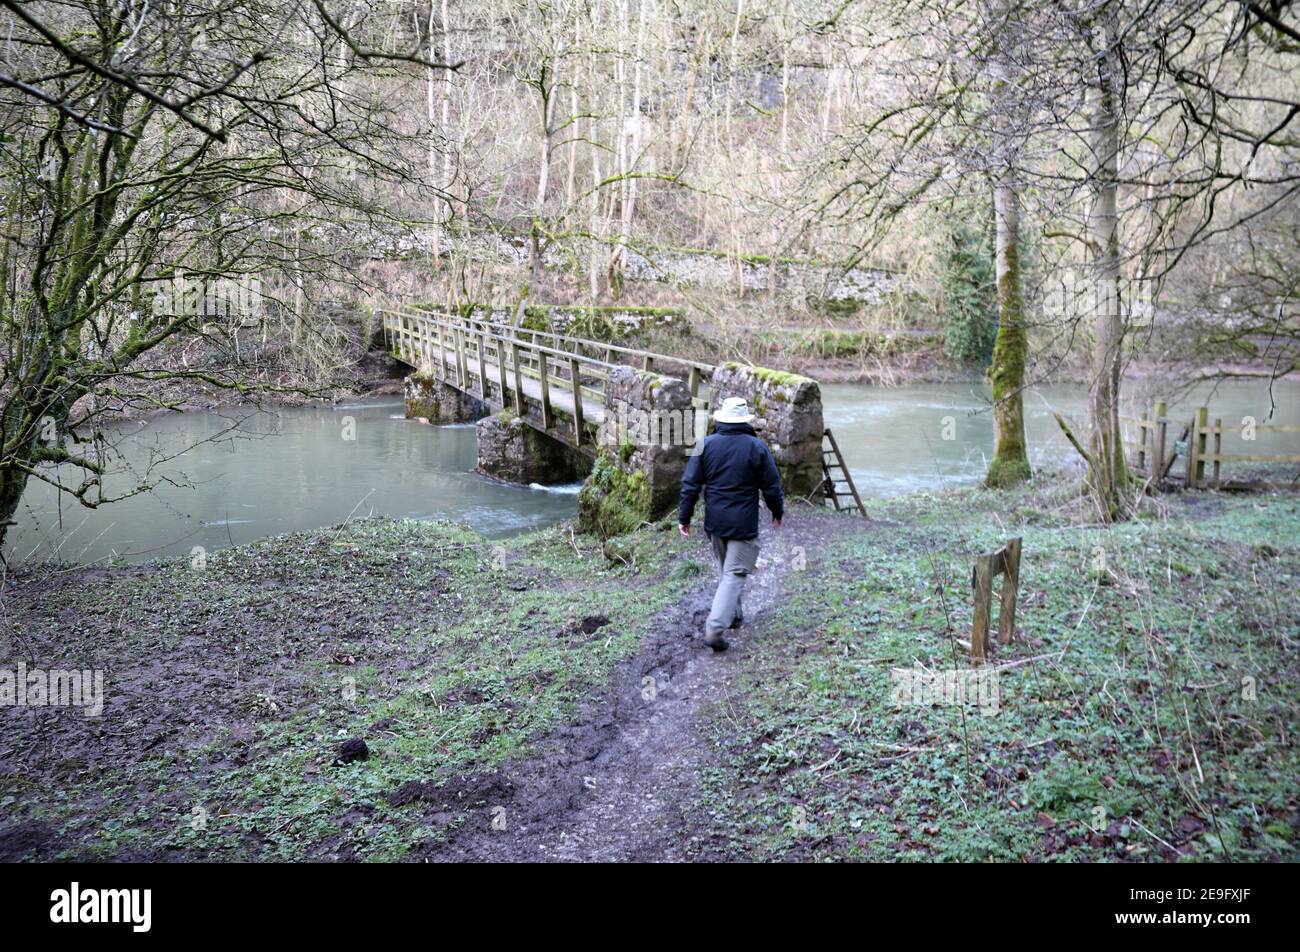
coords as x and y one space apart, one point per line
12 482
1010 463
1107 479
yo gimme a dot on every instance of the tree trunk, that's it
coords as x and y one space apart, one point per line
629 144
593 133
1010 464
1107 475
13 481
446 108
634 136
786 41
546 86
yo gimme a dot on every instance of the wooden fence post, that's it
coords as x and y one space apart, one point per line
1142 442
1158 450
1218 446
1010 589
982 582
1202 418
1004 562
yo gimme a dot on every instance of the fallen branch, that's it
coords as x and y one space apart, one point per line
1069 435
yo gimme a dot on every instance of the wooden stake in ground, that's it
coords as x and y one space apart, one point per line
1010 586
1004 562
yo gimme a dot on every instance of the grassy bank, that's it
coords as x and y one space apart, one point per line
230 687
1148 710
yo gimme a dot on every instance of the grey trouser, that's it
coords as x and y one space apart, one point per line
736 559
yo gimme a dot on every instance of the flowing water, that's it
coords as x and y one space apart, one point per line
236 476
894 438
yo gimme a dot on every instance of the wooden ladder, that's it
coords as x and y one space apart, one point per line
833 459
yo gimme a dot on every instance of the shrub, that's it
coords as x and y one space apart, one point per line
969 280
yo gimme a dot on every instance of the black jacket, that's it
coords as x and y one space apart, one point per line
732 466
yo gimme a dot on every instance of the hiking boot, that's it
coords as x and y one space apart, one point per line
717 642
737 621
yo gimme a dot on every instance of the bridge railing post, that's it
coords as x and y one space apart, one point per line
576 376
501 371
482 367
519 379
462 372
546 391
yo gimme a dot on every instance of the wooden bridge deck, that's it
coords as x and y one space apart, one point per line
553 381
561 398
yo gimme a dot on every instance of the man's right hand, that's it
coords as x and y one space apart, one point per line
684 529
776 523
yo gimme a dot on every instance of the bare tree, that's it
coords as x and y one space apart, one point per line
1107 473
153 159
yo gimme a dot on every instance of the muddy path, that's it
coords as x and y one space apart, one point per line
623 782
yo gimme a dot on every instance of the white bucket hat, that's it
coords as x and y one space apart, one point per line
733 410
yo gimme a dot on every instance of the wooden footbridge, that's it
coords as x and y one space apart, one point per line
553 381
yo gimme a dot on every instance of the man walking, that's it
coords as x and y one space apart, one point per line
732 467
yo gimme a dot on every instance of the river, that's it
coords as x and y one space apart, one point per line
240 475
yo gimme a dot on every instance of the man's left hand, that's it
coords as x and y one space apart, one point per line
684 529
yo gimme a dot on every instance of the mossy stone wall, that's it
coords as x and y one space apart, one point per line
787 412
511 450
433 401
642 443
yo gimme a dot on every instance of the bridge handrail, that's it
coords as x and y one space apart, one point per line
411 334
700 365
416 329
453 323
